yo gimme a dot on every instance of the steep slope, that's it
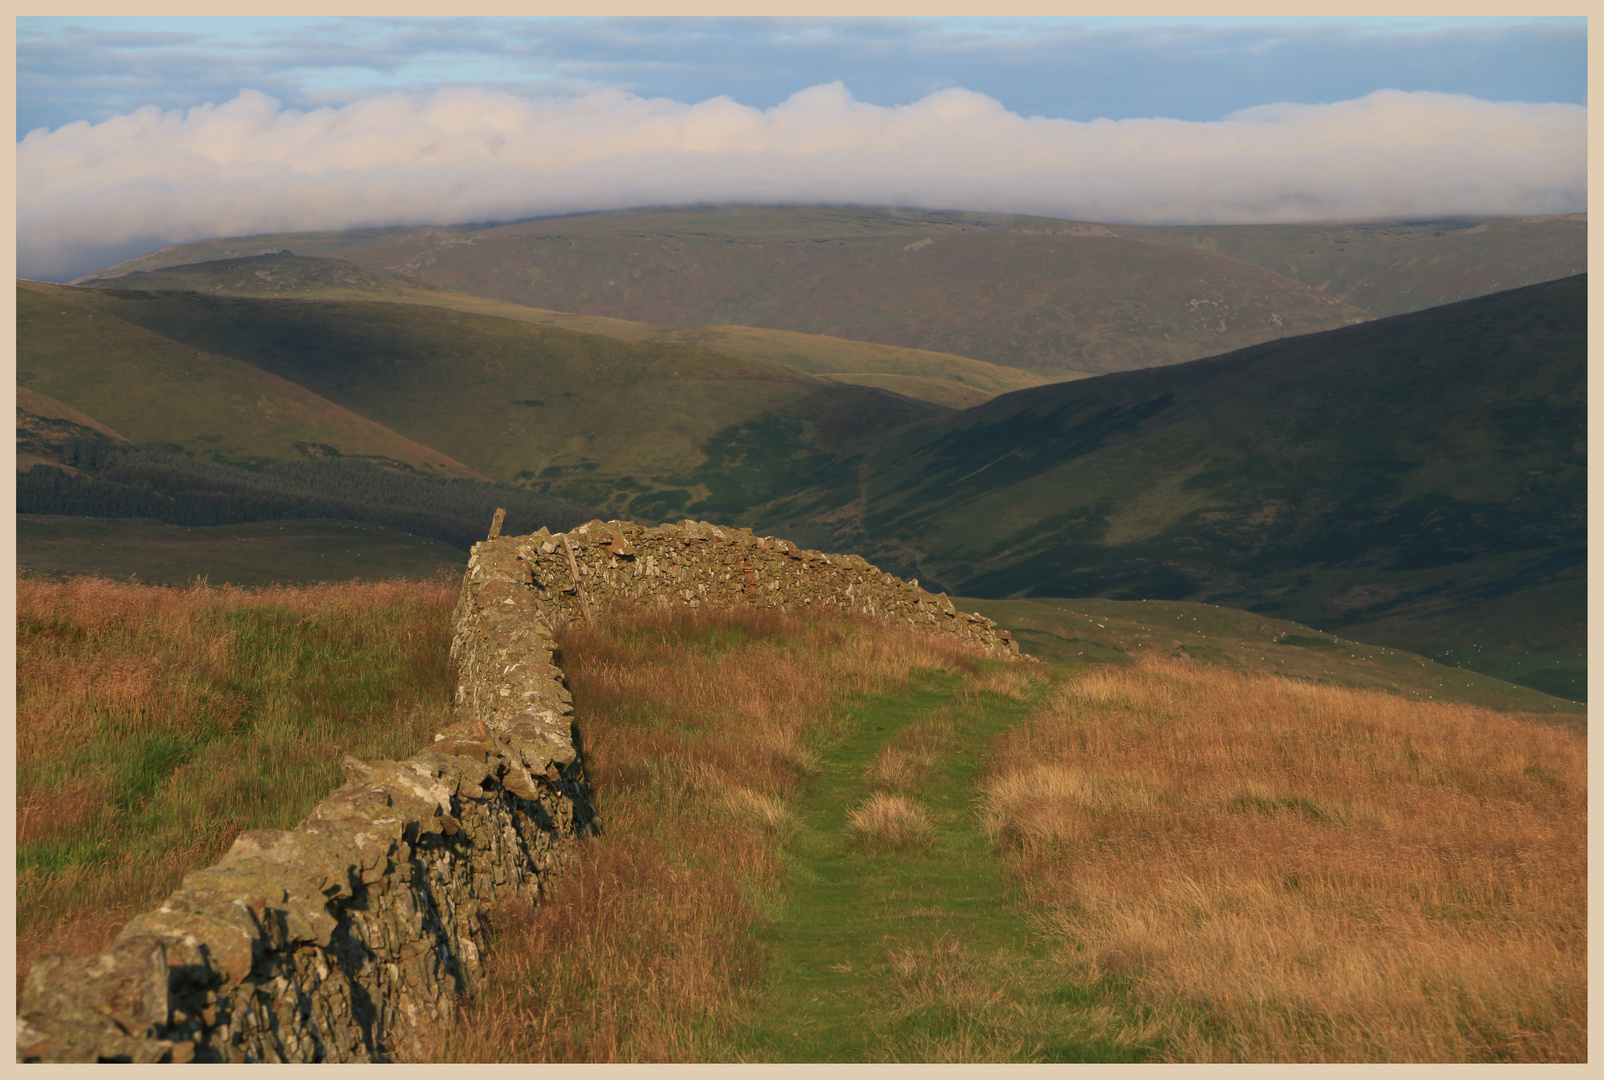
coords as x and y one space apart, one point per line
1036 293
1418 481
651 429
152 389
951 381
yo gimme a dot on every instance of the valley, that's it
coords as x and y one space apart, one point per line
1413 481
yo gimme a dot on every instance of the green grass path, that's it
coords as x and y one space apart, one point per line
970 984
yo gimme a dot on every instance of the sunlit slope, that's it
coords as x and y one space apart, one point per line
48 408
1392 268
1037 293
1094 631
277 274
649 429
863 362
43 424
152 389
952 381
1415 474
236 247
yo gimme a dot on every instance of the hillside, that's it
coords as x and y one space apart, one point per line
277 274
647 429
941 378
1418 481
1040 293
1036 293
1092 630
1396 267
152 389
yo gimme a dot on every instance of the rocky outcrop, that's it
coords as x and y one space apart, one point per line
349 937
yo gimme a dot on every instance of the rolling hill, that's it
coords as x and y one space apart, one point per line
1038 293
940 378
152 389
1417 481
1035 293
652 430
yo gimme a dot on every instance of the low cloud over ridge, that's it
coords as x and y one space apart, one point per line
91 194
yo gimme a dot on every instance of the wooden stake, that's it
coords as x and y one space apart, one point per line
579 590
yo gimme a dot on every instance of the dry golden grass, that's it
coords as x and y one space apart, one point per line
902 761
700 729
154 724
1286 871
1015 681
886 821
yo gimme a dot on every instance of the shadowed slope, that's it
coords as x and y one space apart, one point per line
648 428
152 389
941 378
1019 291
1423 476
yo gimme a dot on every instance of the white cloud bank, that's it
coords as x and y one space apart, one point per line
88 194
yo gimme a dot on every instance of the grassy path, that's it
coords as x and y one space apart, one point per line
919 953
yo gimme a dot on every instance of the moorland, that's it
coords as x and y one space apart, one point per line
1238 485
1359 455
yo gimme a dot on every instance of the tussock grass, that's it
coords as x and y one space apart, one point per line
701 731
885 822
154 724
1015 682
905 759
1285 871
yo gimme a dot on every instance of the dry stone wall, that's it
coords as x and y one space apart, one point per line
350 937
692 563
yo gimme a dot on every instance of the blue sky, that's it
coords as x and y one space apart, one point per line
91 68
138 132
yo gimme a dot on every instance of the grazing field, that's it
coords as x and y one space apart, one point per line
155 724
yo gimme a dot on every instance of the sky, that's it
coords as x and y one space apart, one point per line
137 132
